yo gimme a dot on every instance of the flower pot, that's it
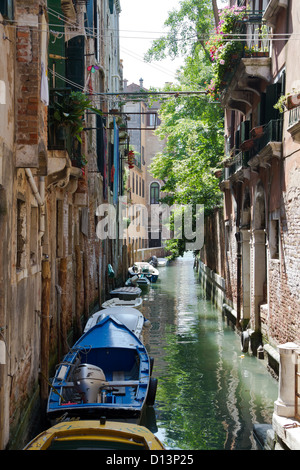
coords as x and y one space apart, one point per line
218 173
293 101
257 132
247 145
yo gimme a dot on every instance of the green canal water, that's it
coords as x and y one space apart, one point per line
209 393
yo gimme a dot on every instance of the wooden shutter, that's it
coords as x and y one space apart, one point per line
272 95
75 64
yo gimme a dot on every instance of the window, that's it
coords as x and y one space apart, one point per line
133 177
274 238
154 193
7 9
21 233
143 188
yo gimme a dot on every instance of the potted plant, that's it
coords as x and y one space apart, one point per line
223 49
69 110
288 101
257 131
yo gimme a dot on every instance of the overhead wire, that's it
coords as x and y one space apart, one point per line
203 37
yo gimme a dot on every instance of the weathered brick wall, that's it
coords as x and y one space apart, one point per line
284 281
28 79
212 253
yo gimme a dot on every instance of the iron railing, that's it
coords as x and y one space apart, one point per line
272 133
254 39
294 116
238 162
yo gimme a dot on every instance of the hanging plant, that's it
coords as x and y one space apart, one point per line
288 101
69 110
224 50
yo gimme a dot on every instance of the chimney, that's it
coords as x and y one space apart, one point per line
125 81
141 82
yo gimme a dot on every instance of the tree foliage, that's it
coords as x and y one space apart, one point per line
188 27
191 125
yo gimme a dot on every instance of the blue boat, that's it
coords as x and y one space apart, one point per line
107 373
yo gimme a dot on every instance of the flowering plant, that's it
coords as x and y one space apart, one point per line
223 47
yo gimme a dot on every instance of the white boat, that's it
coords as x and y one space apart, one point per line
132 318
141 267
116 302
162 261
140 280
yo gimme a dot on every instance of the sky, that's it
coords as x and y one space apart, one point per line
141 22
139 26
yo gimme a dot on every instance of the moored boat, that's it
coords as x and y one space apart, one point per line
140 280
106 373
116 302
147 269
162 261
126 292
95 435
130 317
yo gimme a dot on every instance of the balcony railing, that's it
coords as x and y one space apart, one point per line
237 163
294 116
254 37
272 133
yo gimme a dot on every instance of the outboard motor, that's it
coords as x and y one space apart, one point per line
153 261
88 380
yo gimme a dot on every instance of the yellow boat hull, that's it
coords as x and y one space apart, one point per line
88 435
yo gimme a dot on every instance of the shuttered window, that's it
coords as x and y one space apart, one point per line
7 9
75 61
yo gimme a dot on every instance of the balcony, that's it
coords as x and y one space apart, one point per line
294 123
267 146
243 78
64 150
272 11
236 169
261 147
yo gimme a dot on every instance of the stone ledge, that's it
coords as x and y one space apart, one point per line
290 435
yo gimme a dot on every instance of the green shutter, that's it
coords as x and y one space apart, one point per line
89 18
272 96
7 9
56 46
75 61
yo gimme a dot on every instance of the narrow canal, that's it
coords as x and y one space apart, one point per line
209 393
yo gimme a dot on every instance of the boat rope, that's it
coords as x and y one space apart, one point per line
53 388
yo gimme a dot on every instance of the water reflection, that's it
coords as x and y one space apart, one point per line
209 393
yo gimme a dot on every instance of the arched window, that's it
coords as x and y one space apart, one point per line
154 193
